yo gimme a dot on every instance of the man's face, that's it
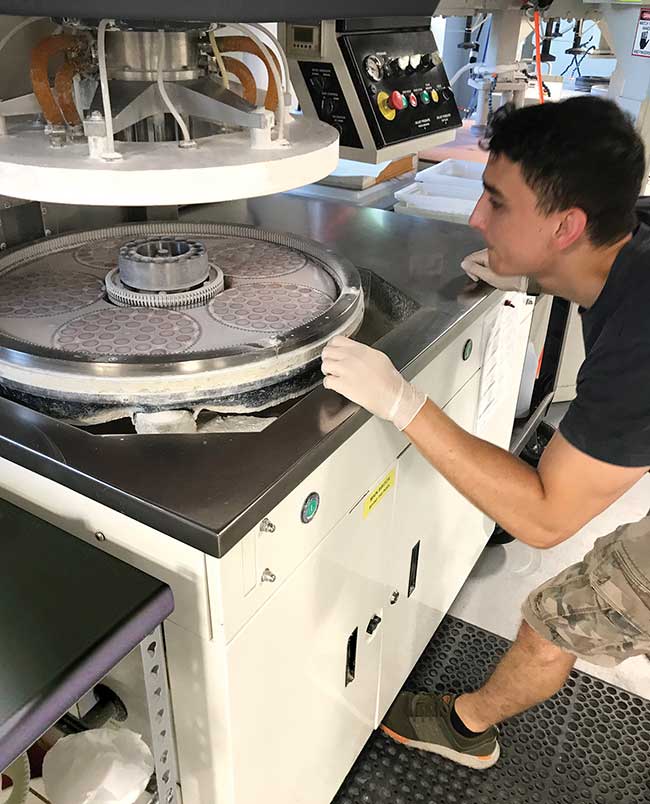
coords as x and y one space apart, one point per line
518 236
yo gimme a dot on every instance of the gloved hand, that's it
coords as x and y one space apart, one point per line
476 266
367 377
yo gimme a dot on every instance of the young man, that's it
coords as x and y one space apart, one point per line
559 206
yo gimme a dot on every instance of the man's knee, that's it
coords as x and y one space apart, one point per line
542 649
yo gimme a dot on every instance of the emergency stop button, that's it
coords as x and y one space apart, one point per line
383 101
397 101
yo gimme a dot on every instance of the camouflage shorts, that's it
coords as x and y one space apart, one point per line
599 609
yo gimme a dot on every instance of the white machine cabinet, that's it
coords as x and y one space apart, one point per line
304 672
434 542
285 654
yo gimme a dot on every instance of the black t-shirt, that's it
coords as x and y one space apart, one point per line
610 417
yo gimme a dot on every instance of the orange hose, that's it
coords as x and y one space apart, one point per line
538 57
242 44
245 76
65 93
41 55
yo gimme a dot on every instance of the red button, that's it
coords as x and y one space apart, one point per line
413 99
397 100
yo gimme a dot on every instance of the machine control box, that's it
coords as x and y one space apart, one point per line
401 83
384 89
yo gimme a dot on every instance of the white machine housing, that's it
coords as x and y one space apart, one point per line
285 654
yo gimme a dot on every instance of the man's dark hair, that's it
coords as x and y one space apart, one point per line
581 152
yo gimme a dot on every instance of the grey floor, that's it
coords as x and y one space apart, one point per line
504 575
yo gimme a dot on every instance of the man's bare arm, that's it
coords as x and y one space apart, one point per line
540 507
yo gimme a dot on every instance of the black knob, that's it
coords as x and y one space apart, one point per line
447 94
328 105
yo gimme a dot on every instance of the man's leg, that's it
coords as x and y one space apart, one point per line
591 610
532 670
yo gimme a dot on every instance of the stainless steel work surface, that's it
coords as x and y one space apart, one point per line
208 490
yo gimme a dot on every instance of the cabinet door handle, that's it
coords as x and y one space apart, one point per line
351 657
373 625
413 570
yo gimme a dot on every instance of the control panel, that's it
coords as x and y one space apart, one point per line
401 83
329 101
380 82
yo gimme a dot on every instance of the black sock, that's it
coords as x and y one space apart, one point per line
460 727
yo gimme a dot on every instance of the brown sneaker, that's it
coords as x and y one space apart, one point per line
423 720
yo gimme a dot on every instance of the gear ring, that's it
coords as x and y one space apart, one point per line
123 296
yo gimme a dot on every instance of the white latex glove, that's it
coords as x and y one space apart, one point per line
476 266
367 377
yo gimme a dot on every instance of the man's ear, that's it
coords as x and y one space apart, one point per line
572 224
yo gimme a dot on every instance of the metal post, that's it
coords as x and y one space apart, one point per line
163 738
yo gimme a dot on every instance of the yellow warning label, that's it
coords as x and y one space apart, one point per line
375 496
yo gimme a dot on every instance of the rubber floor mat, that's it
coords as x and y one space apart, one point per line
589 743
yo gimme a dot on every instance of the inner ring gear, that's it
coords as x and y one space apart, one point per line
123 296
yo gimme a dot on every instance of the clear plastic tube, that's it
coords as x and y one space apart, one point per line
110 152
466 68
276 42
163 92
479 23
23 24
219 58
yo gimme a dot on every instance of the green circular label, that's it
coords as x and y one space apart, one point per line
467 349
310 507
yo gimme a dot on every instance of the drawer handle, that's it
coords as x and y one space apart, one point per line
467 349
268 576
413 569
508 303
351 657
394 597
373 625
266 526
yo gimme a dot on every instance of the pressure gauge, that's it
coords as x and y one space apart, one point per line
374 67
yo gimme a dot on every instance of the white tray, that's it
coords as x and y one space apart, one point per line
455 178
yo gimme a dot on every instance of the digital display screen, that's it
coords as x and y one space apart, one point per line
304 35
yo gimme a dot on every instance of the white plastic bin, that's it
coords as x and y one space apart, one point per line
455 178
417 200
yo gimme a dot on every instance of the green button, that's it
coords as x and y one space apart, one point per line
425 97
310 507
467 349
